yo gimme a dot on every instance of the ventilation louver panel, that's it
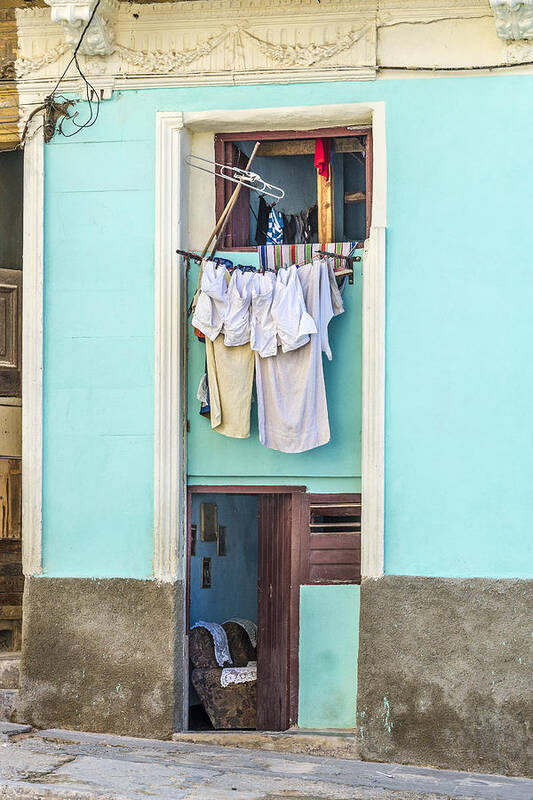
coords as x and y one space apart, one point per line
333 544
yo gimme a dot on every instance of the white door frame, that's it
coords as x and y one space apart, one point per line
32 348
173 141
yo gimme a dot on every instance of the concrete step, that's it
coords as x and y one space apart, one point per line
9 729
9 670
8 703
335 744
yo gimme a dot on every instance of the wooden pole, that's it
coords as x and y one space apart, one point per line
326 217
220 227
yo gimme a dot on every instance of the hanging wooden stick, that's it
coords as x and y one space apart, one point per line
220 227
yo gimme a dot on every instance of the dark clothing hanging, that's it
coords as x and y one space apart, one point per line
262 221
289 229
311 224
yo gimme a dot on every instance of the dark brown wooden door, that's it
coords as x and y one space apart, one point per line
273 598
10 332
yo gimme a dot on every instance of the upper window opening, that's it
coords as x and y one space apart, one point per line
314 208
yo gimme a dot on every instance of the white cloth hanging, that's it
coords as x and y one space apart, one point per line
293 323
202 393
211 306
220 641
263 339
291 394
237 317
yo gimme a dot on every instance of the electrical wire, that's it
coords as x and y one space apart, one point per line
90 91
55 106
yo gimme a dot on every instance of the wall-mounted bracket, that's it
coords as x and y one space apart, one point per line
73 15
514 18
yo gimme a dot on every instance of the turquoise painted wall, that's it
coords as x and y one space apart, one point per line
329 643
459 295
233 591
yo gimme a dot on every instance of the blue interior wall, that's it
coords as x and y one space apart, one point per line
233 591
459 295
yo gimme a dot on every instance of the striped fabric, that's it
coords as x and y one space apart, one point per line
274 256
275 226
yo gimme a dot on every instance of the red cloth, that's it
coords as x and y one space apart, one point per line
322 154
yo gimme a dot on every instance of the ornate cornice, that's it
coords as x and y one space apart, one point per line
220 42
514 18
169 39
73 15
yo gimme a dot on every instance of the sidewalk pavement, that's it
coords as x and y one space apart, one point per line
71 765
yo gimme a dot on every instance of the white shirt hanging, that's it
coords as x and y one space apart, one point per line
263 337
237 319
210 311
293 324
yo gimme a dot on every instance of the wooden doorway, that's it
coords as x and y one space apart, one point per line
280 510
11 577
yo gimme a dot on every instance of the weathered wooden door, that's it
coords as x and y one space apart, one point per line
277 654
11 578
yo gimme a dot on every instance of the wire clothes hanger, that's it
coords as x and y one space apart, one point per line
237 175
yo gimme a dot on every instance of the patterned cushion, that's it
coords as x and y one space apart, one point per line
233 706
240 646
201 648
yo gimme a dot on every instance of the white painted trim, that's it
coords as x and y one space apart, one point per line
32 350
43 86
373 406
170 320
172 142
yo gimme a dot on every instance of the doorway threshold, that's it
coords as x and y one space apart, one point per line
329 742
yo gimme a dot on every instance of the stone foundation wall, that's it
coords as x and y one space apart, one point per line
446 673
102 655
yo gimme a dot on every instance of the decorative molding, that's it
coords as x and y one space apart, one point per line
517 51
32 348
73 15
514 18
297 55
25 66
172 60
170 320
196 44
7 68
224 42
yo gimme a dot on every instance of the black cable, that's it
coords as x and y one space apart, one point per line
75 53
91 94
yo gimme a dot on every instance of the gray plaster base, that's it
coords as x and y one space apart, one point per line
102 655
446 673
